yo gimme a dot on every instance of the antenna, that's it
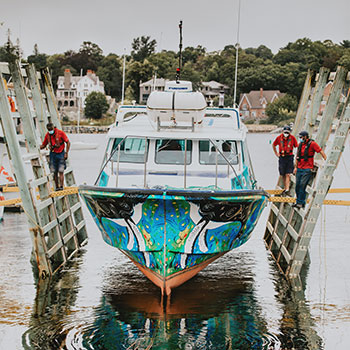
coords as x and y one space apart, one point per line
237 47
123 81
178 70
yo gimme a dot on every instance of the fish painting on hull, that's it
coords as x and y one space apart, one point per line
168 233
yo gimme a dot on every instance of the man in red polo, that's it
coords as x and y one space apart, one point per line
56 139
286 144
304 165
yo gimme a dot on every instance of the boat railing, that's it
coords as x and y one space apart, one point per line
117 151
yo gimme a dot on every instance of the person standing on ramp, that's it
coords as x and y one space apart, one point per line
56 139
286 144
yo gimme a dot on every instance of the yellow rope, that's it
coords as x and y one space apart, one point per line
74 190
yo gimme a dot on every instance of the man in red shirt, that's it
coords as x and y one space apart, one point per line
304 165
286 144
56 139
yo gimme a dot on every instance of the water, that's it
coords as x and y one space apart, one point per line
102 301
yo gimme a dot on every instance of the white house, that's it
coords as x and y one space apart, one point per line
73 89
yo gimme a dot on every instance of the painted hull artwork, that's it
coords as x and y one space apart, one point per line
173 234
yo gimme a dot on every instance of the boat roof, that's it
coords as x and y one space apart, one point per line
218 123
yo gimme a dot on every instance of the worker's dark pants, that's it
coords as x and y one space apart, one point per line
302 179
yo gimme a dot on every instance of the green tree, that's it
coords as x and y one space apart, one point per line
88 57
261 52
191 54
137 72
54 63
142 47
282 109
95 105
39 59
345 59
164 63
110 72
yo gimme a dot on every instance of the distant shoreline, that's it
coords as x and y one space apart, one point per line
261 127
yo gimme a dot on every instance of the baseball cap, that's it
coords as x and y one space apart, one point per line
303 133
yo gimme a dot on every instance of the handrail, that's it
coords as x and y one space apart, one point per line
117 170
217 151
145 163
106 162
185 164
228 162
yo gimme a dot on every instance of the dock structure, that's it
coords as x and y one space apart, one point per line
289 230
55 219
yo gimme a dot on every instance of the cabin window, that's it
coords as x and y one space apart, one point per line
132 150
208 153
171 151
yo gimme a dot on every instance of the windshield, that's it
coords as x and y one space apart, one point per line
171 151
132 150
208 153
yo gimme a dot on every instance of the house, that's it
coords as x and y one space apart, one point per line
212 89
209 89
73 90
253 104
148 86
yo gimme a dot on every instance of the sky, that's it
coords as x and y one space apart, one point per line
61 25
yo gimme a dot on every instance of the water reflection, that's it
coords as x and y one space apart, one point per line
297 327
53 305
215 310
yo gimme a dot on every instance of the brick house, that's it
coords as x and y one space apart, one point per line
253 104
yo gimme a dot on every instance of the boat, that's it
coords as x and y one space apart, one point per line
176 189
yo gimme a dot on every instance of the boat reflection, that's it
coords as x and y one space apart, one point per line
204 313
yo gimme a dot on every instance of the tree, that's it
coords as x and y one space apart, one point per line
261 52
110 73
282 109
137 72
191 54
142 48
39 59
96 105
88 57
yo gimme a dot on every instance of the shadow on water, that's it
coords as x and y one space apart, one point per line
215 310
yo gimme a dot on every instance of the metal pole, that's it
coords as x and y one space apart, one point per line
237 47
123 82
145 163
185 166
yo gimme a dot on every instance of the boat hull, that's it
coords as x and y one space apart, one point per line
171 235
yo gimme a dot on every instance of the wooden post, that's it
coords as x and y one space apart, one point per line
21 178
322 187
331 108
316 100
300 117
50 98
39 105
33 148
289 230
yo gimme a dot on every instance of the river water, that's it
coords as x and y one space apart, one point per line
102 301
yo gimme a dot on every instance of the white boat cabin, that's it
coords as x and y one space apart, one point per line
176 141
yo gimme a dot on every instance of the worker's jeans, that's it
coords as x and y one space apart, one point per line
302 179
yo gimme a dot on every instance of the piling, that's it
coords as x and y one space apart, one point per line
56 223
289 230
